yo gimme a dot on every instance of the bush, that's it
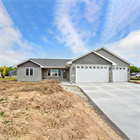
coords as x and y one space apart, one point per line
134 69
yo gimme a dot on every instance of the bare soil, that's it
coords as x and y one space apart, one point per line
45 111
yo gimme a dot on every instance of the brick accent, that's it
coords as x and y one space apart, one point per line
110 75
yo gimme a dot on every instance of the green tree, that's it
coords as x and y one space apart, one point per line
134 69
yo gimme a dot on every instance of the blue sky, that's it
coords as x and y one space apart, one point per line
68 28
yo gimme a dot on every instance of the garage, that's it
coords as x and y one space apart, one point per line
94 73
120 74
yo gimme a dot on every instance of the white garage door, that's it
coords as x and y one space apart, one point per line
120 74
92 73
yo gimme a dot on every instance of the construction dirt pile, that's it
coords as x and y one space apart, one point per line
45 111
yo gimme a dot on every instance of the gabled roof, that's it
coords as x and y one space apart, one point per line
113 54
48 63
70 62
52 62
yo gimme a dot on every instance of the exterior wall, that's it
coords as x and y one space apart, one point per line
45 75
91 59
112 58
21 74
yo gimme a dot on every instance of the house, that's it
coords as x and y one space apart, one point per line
100 65
135 75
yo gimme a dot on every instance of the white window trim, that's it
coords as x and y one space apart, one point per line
29 71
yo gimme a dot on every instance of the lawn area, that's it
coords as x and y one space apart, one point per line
8 78
45 111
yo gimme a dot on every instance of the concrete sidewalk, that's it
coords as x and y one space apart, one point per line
119 101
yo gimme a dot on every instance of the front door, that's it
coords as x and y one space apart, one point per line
64 74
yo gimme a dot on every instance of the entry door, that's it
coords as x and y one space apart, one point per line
92 73
64 74
120 74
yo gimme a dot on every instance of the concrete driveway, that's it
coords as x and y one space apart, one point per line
120 102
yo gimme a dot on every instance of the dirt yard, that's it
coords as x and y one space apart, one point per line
45 111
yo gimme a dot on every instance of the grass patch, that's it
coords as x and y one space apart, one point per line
134 78
2 114
2 99
6 121
7 78
16 96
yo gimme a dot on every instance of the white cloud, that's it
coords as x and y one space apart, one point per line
93 10
120 14
45 39
66 21
128 47
13 47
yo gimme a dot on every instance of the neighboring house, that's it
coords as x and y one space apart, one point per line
100 65
12 73
135 75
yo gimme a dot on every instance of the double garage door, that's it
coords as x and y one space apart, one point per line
100 74
92 74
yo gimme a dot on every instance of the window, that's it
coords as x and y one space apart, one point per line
78 67
90 67
59 72
86 67
82 67
116 68
120 68
94 67
105 67
123 68
54 72
29 72
97 67
49 72
101 67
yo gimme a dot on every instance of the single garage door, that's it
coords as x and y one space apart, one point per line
92 73
120 74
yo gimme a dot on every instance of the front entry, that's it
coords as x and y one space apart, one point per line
64 74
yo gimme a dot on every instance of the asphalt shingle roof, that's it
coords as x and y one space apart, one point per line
52 62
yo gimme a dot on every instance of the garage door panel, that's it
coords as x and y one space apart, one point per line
120 74
92 75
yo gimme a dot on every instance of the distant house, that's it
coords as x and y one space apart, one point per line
100 65
135 75
13 73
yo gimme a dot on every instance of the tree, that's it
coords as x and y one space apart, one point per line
134 69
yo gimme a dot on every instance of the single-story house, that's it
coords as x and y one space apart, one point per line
100 65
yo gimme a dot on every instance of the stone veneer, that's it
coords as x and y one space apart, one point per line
110 75
73 74
128 75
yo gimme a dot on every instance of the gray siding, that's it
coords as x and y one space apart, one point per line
91 59
21 72
29 64
112 58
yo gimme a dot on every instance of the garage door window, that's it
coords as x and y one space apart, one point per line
120 68
94 67
101 67
86 67
116 68
105 67
82 67
97 67
78 67
90 67
123 68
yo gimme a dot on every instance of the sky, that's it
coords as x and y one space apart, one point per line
65 29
